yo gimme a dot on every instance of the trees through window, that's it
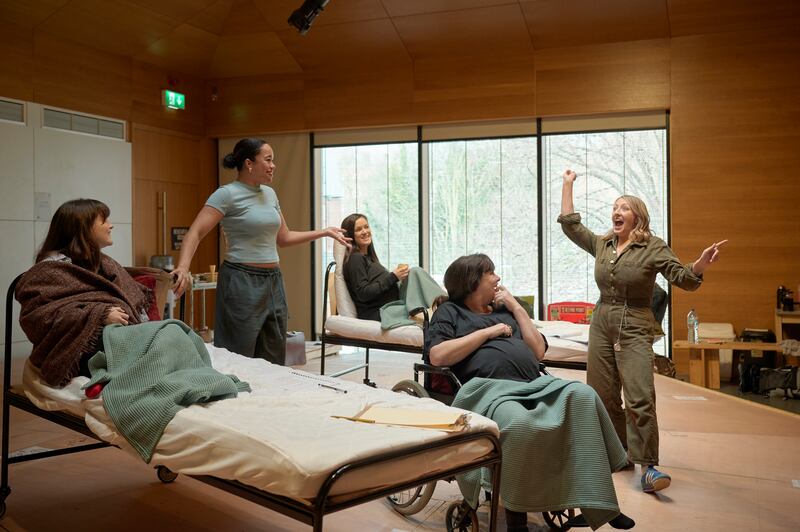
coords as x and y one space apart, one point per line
481 196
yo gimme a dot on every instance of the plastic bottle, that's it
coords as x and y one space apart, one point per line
693 327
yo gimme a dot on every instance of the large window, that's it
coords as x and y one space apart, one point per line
609 165
483 199
381 182
481 194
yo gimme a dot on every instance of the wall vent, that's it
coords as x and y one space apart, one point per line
91 125
12 111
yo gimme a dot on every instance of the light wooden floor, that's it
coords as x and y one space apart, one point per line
733 465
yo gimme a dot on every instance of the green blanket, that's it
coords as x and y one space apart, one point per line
559 446
418 290
151 371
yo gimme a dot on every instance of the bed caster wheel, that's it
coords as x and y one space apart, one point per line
559 519
165 475
461 518
412 500
370 383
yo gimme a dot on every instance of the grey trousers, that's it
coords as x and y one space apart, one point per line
251 314
629 370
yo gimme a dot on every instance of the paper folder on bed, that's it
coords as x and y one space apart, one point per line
410 417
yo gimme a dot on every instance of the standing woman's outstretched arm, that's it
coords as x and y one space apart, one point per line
567 207
571 221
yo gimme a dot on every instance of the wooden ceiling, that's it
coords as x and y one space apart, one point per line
214 39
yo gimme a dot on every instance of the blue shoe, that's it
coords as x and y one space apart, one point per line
654 480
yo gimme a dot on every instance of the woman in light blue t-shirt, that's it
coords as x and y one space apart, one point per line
251 313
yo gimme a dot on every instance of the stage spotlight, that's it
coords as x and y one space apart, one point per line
303 17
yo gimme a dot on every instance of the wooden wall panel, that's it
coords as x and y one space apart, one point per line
247 106
362 99
735 137
45 69
702 17
606 78
448 89
75 77
16 49
148 81
617 21
185 168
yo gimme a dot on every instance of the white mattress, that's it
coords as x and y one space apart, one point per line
281 437
370 330
568 341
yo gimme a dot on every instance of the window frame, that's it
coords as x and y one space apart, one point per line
423 179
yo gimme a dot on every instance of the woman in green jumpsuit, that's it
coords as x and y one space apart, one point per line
627 259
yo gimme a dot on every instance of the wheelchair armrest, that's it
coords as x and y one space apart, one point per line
437 370
543 368
425 317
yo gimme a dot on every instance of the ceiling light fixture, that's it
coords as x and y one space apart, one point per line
302 17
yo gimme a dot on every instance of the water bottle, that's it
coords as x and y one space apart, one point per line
693 327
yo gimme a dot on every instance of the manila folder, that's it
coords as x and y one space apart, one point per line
449 420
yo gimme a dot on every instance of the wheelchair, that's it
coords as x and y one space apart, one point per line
441 384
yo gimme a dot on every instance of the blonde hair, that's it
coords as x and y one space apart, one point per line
641 229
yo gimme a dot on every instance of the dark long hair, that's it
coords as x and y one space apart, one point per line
70 232
244 149
463 276
349 226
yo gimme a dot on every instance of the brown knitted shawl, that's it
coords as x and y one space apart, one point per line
64 307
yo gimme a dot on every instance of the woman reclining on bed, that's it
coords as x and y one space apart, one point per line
380 294
74 290
559 446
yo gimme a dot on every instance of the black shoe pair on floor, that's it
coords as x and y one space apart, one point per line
620 522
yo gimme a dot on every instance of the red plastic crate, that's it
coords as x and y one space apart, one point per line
573 311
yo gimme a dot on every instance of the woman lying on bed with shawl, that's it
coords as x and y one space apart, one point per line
559 446
74 290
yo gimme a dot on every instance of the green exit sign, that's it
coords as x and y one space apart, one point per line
173 100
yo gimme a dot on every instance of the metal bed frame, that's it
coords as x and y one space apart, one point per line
353 342
310 512
325 337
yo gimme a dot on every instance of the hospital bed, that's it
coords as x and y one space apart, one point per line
568 341
298 460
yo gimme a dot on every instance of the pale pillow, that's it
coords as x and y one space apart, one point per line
344 303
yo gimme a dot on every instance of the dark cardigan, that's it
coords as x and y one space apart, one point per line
370 285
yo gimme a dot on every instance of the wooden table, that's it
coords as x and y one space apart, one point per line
704 358
784 316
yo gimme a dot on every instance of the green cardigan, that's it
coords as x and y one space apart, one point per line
151 371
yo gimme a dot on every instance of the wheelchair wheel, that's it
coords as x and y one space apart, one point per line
411 388
461 518
412 500
558 519
165 475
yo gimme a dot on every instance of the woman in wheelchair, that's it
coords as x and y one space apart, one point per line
559 446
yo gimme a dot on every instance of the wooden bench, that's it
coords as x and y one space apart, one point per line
704 358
